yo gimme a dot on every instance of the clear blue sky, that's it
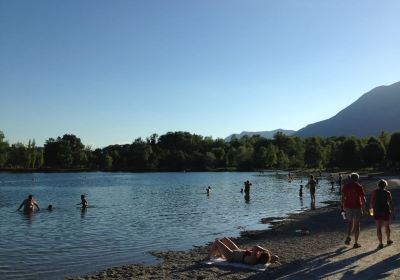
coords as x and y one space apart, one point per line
112 71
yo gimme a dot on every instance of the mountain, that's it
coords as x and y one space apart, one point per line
265 134
376 111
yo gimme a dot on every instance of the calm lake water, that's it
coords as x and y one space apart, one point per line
130 214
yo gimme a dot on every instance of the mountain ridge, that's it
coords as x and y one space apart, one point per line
373 112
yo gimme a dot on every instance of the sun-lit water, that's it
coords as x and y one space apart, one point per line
130 214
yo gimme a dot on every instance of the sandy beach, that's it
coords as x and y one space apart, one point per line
318 254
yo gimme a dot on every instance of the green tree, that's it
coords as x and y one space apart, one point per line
374 152
262 157
314 152
267 157
39 155
231 157
107 162
272 155
283 159
65 152
384 137
3 149
219 154
139 155
17 156
31 154
351 152
393 152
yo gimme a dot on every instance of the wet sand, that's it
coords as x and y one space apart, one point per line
319 241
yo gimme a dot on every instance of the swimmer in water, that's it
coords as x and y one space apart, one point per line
29 205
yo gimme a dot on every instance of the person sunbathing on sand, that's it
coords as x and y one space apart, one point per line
228 250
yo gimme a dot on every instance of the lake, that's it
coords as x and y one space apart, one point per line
130 215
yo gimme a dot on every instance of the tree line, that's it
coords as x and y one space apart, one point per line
178 151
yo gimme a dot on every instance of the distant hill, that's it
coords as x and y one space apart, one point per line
376 111
265 134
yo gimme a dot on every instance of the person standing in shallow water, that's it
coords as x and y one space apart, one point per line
353 202
247 185
83 202
29 205
312 184
382 206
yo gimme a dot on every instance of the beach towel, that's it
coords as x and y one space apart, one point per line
224 262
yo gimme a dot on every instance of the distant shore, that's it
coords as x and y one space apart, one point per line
324 229
296 172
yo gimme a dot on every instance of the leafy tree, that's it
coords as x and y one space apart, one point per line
283 159
314 152
374 152
262 157
231 157
107 162
17 156
219 154
351 153
272 155
244 157
65 152
3 149
39 158
267 157
31 154
139 155
384 137
393 152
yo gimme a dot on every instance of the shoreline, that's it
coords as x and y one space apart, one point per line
291 238
279 238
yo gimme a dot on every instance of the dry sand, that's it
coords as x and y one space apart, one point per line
320 254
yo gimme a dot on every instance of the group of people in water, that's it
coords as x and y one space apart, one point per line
30 205
313 182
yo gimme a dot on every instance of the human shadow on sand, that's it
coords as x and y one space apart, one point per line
379 270
317 267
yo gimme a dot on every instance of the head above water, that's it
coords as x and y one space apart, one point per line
30 197
82 196
382 184
354 177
